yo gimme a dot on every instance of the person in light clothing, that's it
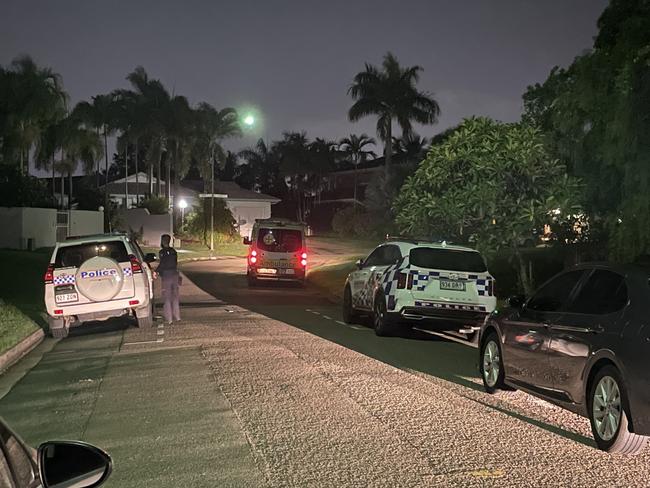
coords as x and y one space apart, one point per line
171 279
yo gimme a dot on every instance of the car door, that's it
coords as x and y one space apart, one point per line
364 280
526 336
593 319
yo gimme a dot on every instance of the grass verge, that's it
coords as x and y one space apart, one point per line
22 285
14 326
187 252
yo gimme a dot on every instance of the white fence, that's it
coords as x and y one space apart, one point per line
146 226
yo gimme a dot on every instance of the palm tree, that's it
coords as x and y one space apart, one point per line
264 164
296 164
100 114
34 99
354 148
391 94
412 147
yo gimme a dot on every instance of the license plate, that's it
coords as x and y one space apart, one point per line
66 297
278 263
286 271
452 285
267 271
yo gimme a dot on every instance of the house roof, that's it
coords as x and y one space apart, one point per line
230 188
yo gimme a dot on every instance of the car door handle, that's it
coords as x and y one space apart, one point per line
597 329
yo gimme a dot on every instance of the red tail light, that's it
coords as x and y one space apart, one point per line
303 259
136 267
401 281
49 274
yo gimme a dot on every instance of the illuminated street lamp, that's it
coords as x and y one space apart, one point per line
182 204
249 120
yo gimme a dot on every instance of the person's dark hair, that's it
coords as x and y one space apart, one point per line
165 239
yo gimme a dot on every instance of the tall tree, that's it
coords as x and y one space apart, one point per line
355 148
262 169
32 99
391 94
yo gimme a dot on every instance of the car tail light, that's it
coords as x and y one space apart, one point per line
303 262
253 253
303 258
253 259
303 255
136 267
410 281
58 312
134 302
401 281
49 274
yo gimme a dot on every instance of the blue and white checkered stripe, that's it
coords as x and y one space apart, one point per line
389 283
127 271
65 279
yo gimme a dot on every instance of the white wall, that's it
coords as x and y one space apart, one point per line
19 224
152 226
86 222
245 213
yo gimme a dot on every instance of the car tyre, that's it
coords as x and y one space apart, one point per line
350 315
491 364
609 414
252 281
145 317
58 329
380 316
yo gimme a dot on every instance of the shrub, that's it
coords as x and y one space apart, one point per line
351 222
197 223
155 205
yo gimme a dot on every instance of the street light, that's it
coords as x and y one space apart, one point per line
182 204
249 120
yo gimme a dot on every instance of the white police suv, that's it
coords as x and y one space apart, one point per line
95 278
404 282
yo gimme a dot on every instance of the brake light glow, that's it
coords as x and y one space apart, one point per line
58 312
136 267
401 281
303 262
253 259
49 275
134 302
253 252
303 255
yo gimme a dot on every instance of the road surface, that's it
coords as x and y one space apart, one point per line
267 387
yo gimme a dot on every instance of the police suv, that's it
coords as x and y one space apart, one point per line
95 278
405 282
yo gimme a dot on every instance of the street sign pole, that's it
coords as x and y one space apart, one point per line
212 211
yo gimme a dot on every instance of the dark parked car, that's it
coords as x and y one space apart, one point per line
581 341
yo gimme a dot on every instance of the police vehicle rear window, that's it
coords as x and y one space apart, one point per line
76 255
447 259
279 240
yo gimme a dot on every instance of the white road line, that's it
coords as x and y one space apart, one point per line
315 312
327 317
160 332
340 323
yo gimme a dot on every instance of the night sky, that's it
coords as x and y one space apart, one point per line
294 60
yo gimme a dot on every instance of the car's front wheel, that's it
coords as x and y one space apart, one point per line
608 414
491 363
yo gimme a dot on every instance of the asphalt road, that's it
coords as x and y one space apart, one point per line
267 387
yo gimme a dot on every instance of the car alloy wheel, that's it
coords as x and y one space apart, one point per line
379 316
607 408
491 363
608 414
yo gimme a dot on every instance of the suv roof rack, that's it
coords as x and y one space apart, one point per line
95 236
415 240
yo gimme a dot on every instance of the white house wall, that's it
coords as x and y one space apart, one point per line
245 213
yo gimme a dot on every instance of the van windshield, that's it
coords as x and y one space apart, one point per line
279 240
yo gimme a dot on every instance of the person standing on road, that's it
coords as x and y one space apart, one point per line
171 279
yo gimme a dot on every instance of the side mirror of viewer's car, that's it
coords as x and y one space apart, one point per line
78 464
359 264
150 257
516 301
247 241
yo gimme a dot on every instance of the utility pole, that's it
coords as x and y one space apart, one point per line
212 208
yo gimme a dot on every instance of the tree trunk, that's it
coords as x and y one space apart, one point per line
137 175
69 190
525 273
356 165
53 178
388 150
150 176
97 171
159 170
126 175
106 169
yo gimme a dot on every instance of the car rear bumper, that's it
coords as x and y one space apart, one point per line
97 310
298 275
441 317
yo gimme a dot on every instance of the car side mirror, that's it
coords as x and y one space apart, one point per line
67 463
516 301
247 241
150 257
359 264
